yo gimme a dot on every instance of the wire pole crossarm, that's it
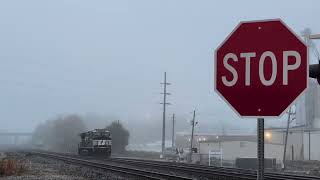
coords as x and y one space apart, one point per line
166 103
166 93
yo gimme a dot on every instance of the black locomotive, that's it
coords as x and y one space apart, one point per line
96 142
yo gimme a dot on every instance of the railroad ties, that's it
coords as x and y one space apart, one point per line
152 169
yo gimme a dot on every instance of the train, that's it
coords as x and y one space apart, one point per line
97 142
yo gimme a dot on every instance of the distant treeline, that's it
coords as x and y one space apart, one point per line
62 134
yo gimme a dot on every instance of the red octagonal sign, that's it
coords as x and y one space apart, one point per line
261 68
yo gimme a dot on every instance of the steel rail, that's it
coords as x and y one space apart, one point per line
120 169
198 170
239 173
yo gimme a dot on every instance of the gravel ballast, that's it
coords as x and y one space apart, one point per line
38 168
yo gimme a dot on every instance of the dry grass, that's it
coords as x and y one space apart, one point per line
9 167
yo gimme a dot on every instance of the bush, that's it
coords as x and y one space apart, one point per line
61 134
120 136
9 167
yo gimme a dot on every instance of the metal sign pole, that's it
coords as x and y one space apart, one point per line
260 148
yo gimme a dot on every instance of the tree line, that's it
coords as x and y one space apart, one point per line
62 134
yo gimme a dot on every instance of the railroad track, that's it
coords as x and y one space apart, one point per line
214 172
132 171
182 168
142 167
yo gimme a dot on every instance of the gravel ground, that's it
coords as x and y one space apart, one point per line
304 167
38 168
139 154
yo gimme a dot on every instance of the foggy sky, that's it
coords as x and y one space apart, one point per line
108 57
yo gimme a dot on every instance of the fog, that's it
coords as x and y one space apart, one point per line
105 60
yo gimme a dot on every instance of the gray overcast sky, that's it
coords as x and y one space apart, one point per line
108 57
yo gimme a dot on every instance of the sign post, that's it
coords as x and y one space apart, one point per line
261 68
260 148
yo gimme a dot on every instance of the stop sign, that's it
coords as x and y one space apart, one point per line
261 68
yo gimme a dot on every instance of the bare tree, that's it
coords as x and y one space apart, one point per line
61 134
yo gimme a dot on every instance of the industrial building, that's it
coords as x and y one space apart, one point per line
308 118
303 136
243 146
231 146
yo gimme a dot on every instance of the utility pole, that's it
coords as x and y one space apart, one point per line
286 139
165 83
173 130
309 144
193 123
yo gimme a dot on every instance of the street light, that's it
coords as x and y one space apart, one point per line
268 136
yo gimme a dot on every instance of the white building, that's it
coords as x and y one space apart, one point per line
241 146
233 147
295 148
303 144
308 115
307 107
303 139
